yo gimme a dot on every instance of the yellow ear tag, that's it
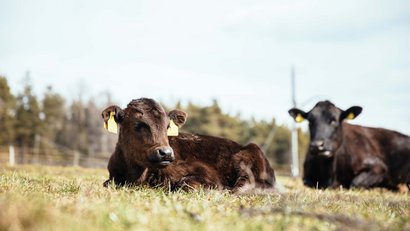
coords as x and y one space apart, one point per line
173 129
299 118
350 116
111 125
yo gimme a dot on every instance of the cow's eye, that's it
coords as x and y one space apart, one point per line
140 126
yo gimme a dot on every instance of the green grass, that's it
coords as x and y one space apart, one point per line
57 198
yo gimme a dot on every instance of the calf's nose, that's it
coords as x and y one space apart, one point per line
166 152
317 145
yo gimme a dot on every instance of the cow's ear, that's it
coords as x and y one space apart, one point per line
178 116
297 114
113 111
351 113
112 115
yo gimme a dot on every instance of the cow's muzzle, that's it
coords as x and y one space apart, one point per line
318 147
161 156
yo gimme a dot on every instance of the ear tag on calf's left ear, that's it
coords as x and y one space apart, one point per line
299 118
111 125
350 116
173 129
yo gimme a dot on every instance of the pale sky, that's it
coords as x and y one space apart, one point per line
239 52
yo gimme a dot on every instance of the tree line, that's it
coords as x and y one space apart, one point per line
39 125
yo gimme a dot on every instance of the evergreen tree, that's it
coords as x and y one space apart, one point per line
94 127
28 123
74 134
7 111
53 112
281 145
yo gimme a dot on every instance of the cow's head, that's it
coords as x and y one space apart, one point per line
143 131
325 125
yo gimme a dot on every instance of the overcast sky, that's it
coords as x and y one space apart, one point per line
239 52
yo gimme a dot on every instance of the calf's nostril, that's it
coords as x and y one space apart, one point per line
165 152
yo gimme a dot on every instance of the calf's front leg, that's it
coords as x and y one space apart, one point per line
120 172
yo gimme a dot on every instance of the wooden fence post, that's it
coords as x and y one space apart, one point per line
12 157
76 161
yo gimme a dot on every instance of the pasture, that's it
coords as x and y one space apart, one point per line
71 198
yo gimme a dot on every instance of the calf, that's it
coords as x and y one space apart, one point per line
146 155
341 154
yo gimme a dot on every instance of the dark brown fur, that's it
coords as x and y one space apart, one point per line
356 156
372 157
199 160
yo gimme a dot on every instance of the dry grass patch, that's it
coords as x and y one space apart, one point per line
67 198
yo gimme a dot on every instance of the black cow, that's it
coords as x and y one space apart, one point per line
341 154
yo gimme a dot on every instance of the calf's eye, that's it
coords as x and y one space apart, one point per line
140 126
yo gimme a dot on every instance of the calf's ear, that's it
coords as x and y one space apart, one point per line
178 116
351 113
114 111
112 115
297 114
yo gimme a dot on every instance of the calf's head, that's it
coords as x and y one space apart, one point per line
325 126
143 131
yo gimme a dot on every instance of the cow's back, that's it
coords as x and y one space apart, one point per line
391 147
396 149
209 149
214 151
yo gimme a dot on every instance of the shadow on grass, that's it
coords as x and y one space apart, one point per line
347 222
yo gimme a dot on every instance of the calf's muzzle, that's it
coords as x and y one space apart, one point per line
161 156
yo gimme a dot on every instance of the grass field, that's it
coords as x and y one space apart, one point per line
68 198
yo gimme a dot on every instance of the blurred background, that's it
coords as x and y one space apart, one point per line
227 63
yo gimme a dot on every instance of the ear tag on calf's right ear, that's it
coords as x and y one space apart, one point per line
173 129
350 116
111 125
299 118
